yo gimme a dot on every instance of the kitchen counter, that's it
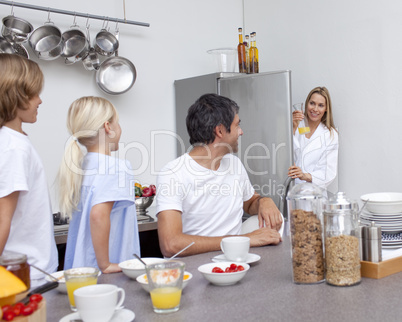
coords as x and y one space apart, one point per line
148 224
266 293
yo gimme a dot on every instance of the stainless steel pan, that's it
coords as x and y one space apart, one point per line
106 43
116 75
16 30
46 41
6 47
91 60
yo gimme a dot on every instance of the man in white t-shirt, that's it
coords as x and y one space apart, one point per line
201 196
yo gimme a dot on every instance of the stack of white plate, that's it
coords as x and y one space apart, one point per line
385 209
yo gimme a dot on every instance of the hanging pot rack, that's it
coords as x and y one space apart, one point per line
73 13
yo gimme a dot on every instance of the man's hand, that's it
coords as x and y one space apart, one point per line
268 214
264 236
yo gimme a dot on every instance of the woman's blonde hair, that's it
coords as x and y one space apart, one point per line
21 80
327 118
86 116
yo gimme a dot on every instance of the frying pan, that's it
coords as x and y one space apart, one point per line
116 75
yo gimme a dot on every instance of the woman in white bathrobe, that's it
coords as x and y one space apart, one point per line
316 152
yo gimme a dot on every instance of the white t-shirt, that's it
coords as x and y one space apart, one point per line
31 230
211 202
317 155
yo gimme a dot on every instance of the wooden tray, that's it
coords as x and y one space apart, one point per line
381 269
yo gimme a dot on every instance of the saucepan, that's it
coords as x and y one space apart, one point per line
21 50
46 41
16 30
91 60
116 75
6 47
75 44
106 42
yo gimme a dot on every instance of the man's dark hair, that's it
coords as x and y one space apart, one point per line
209 111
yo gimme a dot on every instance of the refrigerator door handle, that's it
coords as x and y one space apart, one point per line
282 203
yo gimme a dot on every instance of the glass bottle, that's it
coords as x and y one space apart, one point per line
241 51
306 232
254 65
247 44
341 230
17 264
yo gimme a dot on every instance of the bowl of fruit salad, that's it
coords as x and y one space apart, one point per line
143 280
224 273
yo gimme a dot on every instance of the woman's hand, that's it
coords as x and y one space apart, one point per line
112 268
297 116
296 172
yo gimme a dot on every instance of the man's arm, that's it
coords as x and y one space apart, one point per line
268 214
172 239
7 208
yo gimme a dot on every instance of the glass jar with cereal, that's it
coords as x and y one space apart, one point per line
342 259
306 231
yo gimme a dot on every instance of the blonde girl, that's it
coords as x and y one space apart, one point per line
95 189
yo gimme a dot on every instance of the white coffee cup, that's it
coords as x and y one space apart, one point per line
236 248
97 303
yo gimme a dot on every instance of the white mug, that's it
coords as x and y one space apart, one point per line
97 303
236 248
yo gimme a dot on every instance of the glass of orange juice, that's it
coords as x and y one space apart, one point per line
79 277
165 281
303 127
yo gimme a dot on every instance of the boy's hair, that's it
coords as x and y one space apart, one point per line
21 79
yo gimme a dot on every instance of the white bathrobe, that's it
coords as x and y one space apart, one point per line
317 155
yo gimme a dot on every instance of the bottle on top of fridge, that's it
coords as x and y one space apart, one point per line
247 43
241 51
254 64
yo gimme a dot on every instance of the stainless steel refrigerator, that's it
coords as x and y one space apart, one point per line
266 119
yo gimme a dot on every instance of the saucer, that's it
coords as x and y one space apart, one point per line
251 258
122 315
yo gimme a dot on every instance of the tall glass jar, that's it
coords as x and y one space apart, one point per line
306 231
17 264
341 229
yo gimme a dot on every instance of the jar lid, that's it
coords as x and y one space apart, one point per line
340 202
10 258
305 190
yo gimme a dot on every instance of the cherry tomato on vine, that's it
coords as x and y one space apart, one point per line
36 298
8 315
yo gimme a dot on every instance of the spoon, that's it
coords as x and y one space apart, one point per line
182 250
139 258
361 209
42 271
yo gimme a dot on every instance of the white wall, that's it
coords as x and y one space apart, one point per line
353 48
174 47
